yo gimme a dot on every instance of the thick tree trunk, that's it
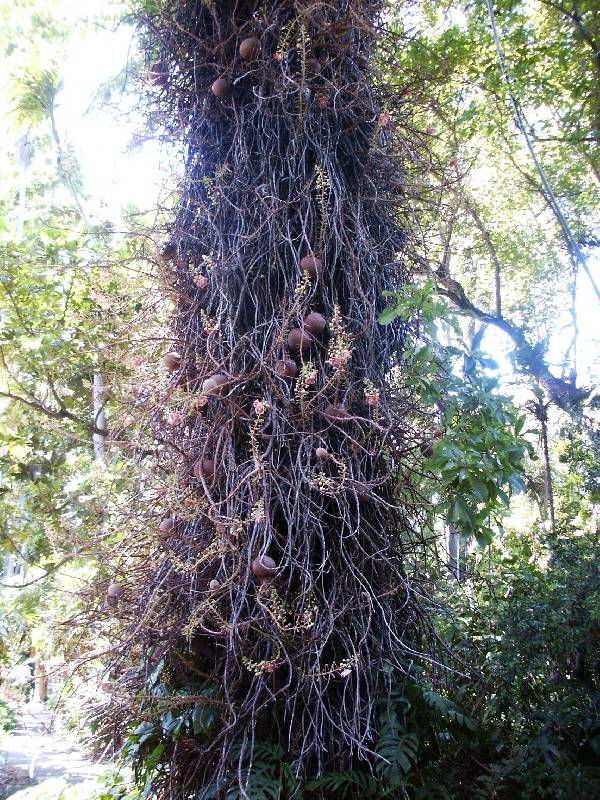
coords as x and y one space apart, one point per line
280 590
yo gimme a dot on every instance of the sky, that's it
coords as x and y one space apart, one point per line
115 173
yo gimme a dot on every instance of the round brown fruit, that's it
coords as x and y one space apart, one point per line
313 65
214 585
171 361
299 340
315 323
336 412
427 448
221 87
360 491
157 74
114 591
166 526
204 468
312 265
169 252
286 368
322 454
249 48
264 567
213 386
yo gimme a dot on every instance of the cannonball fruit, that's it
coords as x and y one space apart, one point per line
299 340
336 412
360 491
315 323
157 74
169 252
313 65
249 48
322 454
264 567
214 386
172 361
312 265
114 591
166 526
221 87
214 585
204 468
286 368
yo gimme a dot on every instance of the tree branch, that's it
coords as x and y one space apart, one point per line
565 395
63 413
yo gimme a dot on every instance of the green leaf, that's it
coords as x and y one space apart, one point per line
388 315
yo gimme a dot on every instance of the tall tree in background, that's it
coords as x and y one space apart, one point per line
508 95
278 604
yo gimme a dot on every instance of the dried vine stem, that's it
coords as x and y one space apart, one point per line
290 159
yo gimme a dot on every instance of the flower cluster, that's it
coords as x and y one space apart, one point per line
340 350
260 667
260 407
372 394
209 325
258 511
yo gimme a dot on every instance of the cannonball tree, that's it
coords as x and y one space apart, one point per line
277 605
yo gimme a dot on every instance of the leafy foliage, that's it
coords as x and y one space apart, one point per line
478 448
8 717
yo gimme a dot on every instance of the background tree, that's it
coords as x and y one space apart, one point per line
507 98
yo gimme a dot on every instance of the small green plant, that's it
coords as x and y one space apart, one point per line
8 717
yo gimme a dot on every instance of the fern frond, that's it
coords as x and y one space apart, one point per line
347 784
448 710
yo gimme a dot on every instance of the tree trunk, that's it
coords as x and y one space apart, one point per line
281 581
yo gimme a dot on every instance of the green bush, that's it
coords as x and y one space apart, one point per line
8 717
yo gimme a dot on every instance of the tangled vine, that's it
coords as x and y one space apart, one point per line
276 598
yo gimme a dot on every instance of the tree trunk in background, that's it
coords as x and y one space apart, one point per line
98 401
41 680
457 552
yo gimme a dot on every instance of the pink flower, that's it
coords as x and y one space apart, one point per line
372 398
209 329
277 56
311 378
340 359
270 667
259 407
384 120
138 361
174 418
201 281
